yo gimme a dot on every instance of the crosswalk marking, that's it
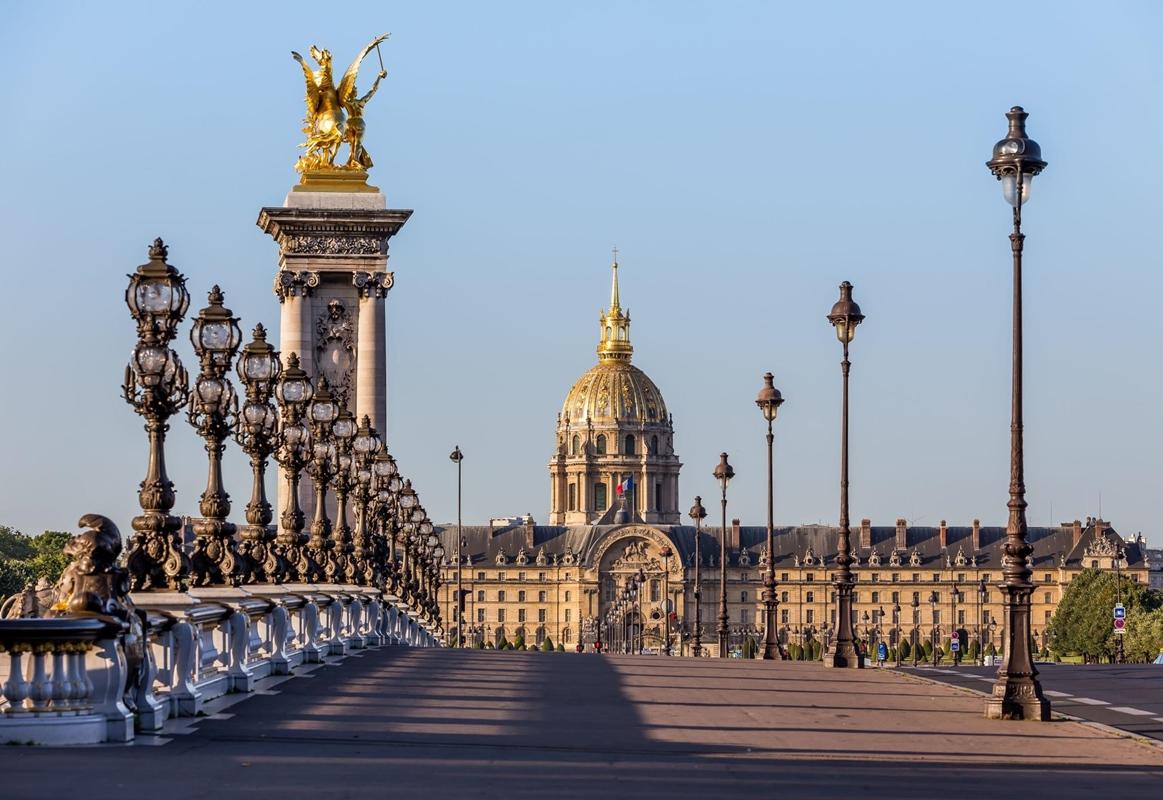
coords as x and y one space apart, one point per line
1138 712
1090 701
1055 694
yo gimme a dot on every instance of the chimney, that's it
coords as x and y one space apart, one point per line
866 534
943 535
975 542
1076 533
902 535
733 537
528 532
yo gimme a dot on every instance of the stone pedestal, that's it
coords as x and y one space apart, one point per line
332 284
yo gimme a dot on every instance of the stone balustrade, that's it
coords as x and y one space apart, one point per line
86 680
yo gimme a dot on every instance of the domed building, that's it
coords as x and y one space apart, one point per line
614 461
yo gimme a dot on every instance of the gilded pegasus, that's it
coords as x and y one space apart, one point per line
328 108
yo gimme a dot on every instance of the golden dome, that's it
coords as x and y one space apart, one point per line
614 391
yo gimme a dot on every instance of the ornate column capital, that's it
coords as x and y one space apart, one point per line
374 285
289 283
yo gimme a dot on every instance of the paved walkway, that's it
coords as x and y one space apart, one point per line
466 724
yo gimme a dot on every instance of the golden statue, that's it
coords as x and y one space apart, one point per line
335 116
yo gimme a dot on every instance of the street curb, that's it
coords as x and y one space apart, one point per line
1057 715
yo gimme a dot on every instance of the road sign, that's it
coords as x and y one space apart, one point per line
1120 611
1120 624
955 645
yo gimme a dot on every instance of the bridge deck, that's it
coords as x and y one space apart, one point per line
438 723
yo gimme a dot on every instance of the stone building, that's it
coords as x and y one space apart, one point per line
559 581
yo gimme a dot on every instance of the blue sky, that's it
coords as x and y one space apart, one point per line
744 157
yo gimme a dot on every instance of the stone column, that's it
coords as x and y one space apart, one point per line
371 379
294 290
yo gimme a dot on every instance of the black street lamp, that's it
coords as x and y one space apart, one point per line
344 432
769 401
666 554
321 468
982 594
916 622
213 411
295 393
366 446
259 369
845 316
457 457
723 473
698 514
1017 694
896 619
156 385
935 633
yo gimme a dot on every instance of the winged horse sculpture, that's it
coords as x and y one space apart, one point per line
328 108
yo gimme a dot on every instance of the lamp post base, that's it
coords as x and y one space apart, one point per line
771 648
844 656
1017 698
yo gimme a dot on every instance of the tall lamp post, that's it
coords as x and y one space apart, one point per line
321 468
698 514
156 385
666 554
896 619
916 622
457 457
366 446
723 473
257 434
982 593
845 316
213 412
769 401
1017 694
935 633
294 450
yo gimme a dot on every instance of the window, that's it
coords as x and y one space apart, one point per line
653 444
520 615
480 576
960 617
568 595
961 577
809 577
599 497
744 616
936 577
601 448
811 598
501 596
521 596
810 616
500 615
573 497
500 575
658 495
936 616
783 597
936 597
875 577
1094 564
629 445
481 596
566 636
896 577
1047 600
742 597
655 591
1134 578
541 597
985 577
896 597
783 616
480 615
1047 578
916 597
1047 617
541 615
916 577
575 445
568 614
783 578
520 576
876 597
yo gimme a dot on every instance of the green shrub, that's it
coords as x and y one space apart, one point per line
504 644
546 645
480 645
927 650
795 652
974 650
519 642
750 647
906 650
560 647
892 654
815 650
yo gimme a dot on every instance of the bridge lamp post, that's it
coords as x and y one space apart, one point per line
698 514
769 401
723 473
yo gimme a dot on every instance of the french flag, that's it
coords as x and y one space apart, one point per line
626 485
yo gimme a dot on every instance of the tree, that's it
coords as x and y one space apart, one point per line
905 651
25 559
1082 623
1144 636
546 645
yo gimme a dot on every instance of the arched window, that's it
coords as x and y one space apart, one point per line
629 450
609 333
601 445
568 595
653 444
566 636
575 445
622 332
573 497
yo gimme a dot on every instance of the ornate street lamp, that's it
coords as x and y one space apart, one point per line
769 401
457 457
845 316
294 451
723 473
156 385
666 553
388 485
322 413
935 633
344 431
257 434
896 619
1017 694
213 411
367 447
406 502
916 622
698 514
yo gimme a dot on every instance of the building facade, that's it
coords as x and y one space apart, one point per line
566 581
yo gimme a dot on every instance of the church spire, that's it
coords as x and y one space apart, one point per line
614 344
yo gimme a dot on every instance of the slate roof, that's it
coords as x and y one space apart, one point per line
1051 544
